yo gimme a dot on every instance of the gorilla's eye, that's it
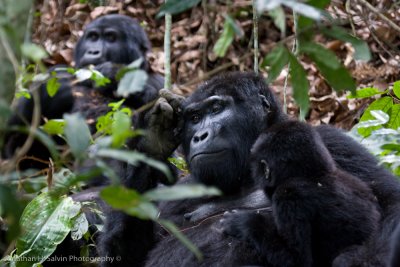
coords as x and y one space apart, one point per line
93 36
216 108
265 167
195 118
110 36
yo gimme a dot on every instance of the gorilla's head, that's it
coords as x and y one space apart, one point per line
289 149
114 38
223 118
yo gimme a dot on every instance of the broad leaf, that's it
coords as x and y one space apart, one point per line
366 92
301 8
175 7
129 201
279 18
276 59
132 82
178 192
54 127
394 122
383 104
52 86
33 52
77 134
329 66
227 36
396 89
300 85
46 221
134 158
80 227
361 48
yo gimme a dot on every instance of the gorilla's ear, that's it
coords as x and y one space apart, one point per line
265 103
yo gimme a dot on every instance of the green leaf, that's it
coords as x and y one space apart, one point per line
391 147
178 192
52 86
319 53
394 122
33 52
80 226
132 66
46 221
178 234
23 93
381 118
54 127
384 104
304 9
279 18
134 157
121 128
329 66
129 201
396 89
361 48
276 59
180 163
225 40
132 82
300 85
366 92
175 7
83 74
77 134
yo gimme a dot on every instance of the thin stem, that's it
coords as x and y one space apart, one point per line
167 51
255 34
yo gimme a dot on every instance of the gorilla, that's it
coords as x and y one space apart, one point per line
108 43
220 122
318 210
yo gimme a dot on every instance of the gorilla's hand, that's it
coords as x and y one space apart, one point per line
109 70
164 126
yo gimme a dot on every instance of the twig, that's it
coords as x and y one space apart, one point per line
10 54
379 14
255 39
348 9
167 51
214 71
32 130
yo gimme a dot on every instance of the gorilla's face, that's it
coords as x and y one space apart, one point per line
112 38
218 135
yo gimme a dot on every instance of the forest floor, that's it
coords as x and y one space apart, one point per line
59 24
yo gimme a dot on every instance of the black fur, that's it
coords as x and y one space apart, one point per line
318 210
240 107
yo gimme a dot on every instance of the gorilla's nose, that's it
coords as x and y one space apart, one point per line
201 137
93 53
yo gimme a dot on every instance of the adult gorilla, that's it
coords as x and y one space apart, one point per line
222 119
108 43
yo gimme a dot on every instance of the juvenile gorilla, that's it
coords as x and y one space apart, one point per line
221 121
108 43
317 209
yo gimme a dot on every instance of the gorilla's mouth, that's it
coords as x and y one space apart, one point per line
208 154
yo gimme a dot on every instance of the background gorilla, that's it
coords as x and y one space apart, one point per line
221 121
108 43
318 210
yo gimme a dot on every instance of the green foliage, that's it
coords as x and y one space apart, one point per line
379 127
180 163
325 60
131 78
231 28
33 52
54 127
77 134
46 222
